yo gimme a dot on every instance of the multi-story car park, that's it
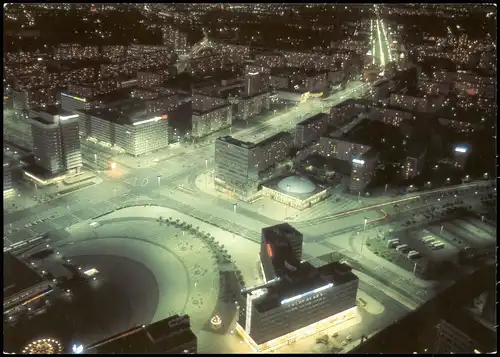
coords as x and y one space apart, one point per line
137 133
238 163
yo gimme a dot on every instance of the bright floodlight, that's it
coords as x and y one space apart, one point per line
91 272
113 165
461 149
358 161
77 349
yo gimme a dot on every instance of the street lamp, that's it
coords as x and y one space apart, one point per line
364 226
159 180
206 163
95 158
234 207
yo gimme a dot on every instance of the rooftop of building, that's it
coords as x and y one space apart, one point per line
158 337
342 167
212 109
312 119
282 135
17 276
51 110
233 141
303 280
297 186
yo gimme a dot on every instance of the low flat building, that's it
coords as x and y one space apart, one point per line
172 335
296 191
21 284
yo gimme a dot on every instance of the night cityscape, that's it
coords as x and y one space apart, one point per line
201 178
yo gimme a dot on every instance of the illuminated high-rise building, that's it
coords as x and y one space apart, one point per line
56 142
302 301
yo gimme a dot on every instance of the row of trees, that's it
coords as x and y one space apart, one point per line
219 250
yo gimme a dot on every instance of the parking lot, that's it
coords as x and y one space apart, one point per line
455 235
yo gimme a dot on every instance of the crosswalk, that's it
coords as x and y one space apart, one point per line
330 206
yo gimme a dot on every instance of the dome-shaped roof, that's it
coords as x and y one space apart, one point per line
297 185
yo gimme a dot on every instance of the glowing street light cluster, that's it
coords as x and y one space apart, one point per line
43 346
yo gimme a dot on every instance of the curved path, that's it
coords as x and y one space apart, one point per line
185 284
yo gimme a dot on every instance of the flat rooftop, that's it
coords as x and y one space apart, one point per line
303 280
214 108
154 338
17 276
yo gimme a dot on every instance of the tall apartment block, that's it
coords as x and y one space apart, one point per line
56 144
238 163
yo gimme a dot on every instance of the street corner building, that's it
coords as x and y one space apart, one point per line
297 299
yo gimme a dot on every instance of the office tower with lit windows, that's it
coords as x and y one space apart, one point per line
238 163
132 129
414 162
303 301
362 171
56 142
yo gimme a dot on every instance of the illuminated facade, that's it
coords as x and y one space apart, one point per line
306 300
56 141
253 83
142 136
414 163
7 180
310 129
340 149
237 163
136 131
362 171
460 155
212 120
248 107
70 102
149 79
176 39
